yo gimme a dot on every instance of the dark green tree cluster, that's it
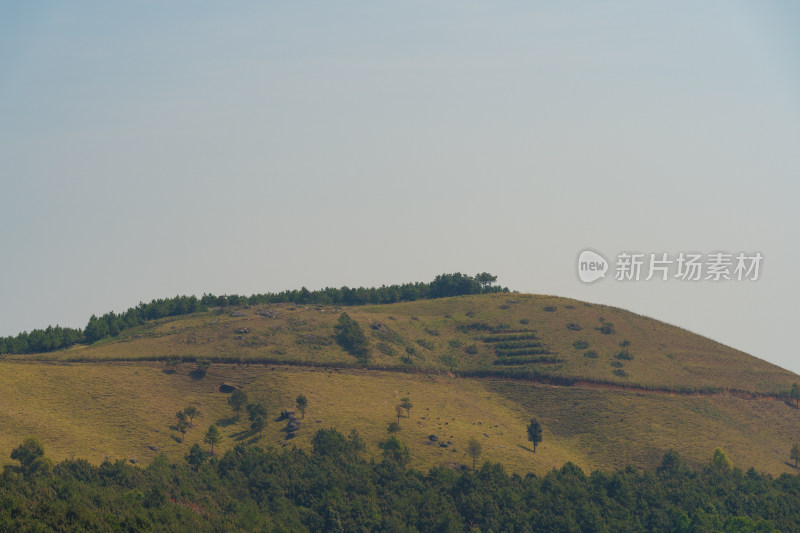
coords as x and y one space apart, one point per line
333 488
443 285
112 324
351 337
41 340
258 417
458 284
108 325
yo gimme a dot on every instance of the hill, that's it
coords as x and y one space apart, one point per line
473 366
508 335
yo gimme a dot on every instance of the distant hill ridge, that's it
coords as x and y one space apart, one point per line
112 324
496 334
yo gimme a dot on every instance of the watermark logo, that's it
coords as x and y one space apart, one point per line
683 266
591 266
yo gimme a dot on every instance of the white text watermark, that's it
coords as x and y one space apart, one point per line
663 266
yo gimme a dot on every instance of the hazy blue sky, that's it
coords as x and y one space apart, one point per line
149 149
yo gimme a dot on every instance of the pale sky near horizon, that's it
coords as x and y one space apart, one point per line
149 149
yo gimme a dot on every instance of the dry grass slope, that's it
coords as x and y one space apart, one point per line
124 410
113 400
434 335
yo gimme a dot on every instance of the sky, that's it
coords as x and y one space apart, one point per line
149 149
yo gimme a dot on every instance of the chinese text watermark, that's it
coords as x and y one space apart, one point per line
663 266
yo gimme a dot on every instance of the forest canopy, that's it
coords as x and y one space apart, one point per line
334 488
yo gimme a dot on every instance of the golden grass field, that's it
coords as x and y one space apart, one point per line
115 399
119 410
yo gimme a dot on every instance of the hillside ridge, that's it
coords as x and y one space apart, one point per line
503 335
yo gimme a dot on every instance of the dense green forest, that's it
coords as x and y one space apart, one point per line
111 324
333 488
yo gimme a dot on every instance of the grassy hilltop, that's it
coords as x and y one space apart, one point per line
493 334
609 387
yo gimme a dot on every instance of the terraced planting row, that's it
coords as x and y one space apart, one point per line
519 347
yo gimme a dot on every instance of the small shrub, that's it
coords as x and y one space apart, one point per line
607 328
470 313
550 309
410 350
432 332
625 356
621 373
505 306
171 364
414 318
616 364
580 345
572 326
591 354
569 307
200 371
407 360
472 349
455 343
524 321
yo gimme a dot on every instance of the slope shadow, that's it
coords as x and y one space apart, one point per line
225 422
242 435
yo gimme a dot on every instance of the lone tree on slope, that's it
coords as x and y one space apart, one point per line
191 412
302 403
30 455
406 404
255 410
196 456
237 400
795 394
795 453
212 437
257 423
182 425
534 433
475 449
